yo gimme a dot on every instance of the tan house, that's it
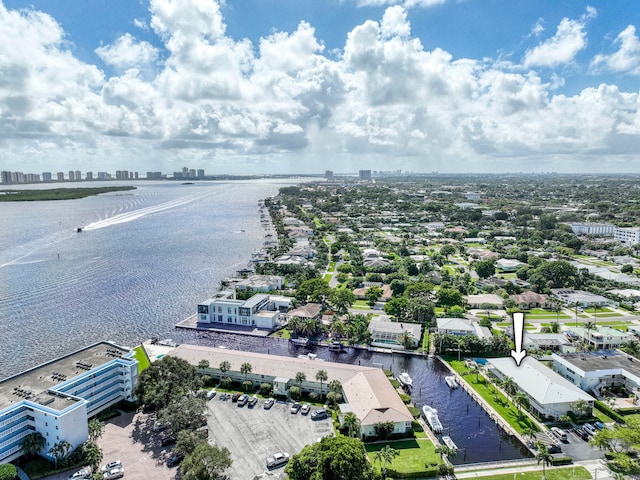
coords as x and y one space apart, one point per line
530 299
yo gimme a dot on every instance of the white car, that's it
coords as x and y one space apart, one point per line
277 460
80 474
114 473
110 466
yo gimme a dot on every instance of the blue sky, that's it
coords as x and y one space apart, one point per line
279 86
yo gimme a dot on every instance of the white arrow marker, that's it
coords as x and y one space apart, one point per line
518 327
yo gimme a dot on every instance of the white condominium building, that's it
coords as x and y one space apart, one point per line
57 398
628 236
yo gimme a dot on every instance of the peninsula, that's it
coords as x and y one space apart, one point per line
56 193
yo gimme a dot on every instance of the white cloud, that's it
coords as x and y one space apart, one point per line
126 52
626 59
403 3
562 48
284 105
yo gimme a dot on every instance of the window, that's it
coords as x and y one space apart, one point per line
219 309
56 427
228 309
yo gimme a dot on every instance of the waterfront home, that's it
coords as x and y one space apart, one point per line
546 341
550 395
600 338
593 371
366 390
260 283
461 327
385 333
57 398
261 310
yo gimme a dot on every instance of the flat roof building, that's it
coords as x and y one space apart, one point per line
388 334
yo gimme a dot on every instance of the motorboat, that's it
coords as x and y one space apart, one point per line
405 380
449 443
302 342
431 416
451 381
336 346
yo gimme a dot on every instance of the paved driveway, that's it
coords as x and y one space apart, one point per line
253 434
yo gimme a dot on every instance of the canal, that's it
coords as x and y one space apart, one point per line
477 437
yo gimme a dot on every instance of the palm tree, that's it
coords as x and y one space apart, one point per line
245 369
473 370
528 432
96 428
224 367
335 386
595 307
446 451
384 456
295 325
60 450
203 365
300 377
33 443
543 456
321 376
520 399
588 326
575 306
351 422
406 340
509 385
92 454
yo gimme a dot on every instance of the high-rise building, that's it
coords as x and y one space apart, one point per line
135 175
17 177
46 176
78 176
365 175
6 177
201 173
328 174
60 176
89 176
72 176
32 178
103 175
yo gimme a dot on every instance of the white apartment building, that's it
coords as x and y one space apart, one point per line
57 398
261 310
595 229
628 236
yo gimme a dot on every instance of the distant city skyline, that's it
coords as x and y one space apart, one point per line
339 85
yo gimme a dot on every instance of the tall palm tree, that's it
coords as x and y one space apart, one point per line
92 454
300 377
520 399
96 428
351 422
446 451
245 369
203 365
575 306
335 386
385 455
406 340
509 385
528 432
224 367
588 326
543 456
321 376
33 443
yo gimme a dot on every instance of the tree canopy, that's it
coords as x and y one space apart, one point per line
165 381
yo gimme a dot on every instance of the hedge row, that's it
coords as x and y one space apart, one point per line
609 412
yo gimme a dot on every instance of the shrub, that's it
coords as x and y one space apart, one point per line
265 389
8 471
405 398
415 412
295 392
313 396
609 412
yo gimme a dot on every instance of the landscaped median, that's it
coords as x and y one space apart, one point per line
519 421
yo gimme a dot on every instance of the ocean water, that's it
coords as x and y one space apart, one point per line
143 261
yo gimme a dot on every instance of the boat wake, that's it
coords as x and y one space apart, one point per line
142 212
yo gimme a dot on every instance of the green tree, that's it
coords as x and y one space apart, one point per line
383 429
420 309
164 381
521 400
8 471
372 294
352 424
406 340
543 456
581 407
321 376
224 367
33 443
60 450
300 377
485 268
396 307
203 365
96 429
331 458
245 369
314 290
385 456
509 385
448 297
188 441
342 299
183 413
335 386
92 454
206 462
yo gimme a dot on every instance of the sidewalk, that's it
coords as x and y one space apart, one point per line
596 468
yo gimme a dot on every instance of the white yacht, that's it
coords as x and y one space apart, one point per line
431 416
405 380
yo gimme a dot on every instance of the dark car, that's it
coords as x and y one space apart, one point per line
168 440
235 397
175 460
319 414
582 434
554 449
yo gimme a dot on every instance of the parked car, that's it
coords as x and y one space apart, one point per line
253 400
581 433
168 440
175 460
243 399
269 403
235 396
114 473
598 425
159 426
295 408
560 433
211 394
319 414
110 466
306 408
83 474
587 427
278 459
554 449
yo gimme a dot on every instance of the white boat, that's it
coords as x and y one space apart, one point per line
451 381
405 380
431 416
448 442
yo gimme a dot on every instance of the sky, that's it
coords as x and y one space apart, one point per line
290 86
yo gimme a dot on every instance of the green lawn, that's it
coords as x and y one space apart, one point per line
142 358
284 333
564 473
415 457
600 310
505 409
327 276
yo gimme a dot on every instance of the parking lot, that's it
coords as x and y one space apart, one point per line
252 434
